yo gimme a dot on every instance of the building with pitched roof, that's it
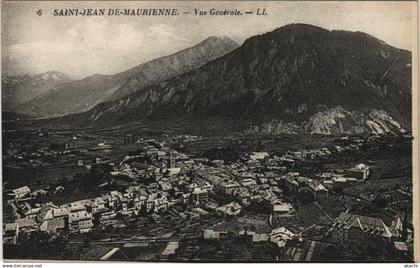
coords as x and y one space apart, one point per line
21 192
317 189
230 209
53 226
199 196
359 171
347 227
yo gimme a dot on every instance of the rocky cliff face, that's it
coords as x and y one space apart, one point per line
330 121
82 95
310 79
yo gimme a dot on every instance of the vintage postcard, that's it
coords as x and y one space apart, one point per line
210 131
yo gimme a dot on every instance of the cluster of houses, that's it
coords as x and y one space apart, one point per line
34 151
350 228
168 189
256 232
321 183
164 179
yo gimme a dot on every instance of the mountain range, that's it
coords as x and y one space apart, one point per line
18 89
296 79
82 95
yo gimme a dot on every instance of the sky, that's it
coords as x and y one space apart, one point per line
83 46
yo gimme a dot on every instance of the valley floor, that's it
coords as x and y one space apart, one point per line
241 198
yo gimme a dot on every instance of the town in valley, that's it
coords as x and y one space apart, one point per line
209 132
113 195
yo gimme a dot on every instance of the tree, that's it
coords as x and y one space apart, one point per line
381 200
305 197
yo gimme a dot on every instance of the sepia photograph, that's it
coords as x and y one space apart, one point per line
209 131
